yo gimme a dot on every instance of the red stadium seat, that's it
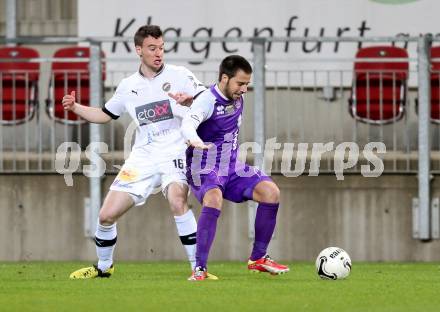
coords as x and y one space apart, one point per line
435 84
68 76
18 84
379 88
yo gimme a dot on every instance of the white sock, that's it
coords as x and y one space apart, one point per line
105 240
187 229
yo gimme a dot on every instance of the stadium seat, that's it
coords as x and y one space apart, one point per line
18 84
379 87
67 76
435 86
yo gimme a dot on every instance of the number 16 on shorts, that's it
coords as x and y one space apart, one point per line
178 163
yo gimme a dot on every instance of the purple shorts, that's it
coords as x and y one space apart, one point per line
235 187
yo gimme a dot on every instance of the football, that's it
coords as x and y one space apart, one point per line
333 263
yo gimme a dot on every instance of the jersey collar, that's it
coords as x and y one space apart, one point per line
157 74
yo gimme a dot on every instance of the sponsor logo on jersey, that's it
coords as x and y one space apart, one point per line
154 112
134 92
230 109
160 133
166 86
220 110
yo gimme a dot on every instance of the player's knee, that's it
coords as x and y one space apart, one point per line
106 218
269 192
213 198
213 202
274 194
178 205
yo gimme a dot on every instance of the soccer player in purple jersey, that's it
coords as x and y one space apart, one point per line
211 130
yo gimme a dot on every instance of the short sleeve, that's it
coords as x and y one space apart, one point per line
115 107
192 85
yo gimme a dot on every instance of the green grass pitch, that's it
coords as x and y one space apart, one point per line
139 286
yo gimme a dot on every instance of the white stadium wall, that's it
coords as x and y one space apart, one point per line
248 18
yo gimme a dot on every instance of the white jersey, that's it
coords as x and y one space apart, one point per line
157 116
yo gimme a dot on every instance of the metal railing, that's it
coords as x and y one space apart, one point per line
305 105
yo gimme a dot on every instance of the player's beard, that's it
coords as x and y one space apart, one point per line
228 93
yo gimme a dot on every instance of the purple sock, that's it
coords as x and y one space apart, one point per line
206 228
265 221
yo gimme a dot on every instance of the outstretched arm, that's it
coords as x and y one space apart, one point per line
181 98
200 111
91 114
190 124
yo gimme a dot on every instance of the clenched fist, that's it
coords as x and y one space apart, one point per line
69 101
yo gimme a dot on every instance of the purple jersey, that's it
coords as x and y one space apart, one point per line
215 120
220 129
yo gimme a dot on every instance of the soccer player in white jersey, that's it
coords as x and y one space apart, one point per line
156 97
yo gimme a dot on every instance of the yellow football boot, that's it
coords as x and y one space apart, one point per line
91 272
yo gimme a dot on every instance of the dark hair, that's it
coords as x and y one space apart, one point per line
231 64
146 31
